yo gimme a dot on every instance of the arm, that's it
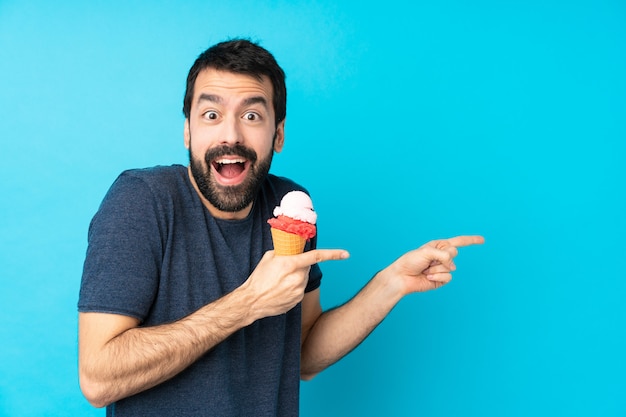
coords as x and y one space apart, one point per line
118 359
335 333
338 331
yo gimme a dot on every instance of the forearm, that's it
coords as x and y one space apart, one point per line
340 330
143 357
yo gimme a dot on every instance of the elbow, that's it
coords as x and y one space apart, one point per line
309 368
93 391
308 372
304 376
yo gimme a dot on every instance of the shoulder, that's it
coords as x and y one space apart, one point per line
155 176
135 190
158 181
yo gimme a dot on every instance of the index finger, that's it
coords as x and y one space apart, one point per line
461 241
320 255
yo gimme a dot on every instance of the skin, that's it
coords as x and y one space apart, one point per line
229 109
117 358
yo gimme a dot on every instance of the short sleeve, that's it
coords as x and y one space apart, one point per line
315 278
315 274
124 253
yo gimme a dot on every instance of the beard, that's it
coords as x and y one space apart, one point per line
231 198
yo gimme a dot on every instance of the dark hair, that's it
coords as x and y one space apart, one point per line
240 56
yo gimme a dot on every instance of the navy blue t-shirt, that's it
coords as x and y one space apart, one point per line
155 253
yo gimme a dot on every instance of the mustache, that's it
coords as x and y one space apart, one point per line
237 149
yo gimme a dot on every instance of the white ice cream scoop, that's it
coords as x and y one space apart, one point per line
297 205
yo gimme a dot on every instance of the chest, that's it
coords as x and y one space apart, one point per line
203 260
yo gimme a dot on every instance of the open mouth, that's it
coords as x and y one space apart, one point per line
230 170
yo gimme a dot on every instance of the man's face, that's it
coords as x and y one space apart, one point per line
231 136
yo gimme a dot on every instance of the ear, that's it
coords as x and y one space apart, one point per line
279 140
186 134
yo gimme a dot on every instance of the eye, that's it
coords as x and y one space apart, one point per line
211 115
251 116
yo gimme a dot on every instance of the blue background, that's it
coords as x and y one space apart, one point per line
407 121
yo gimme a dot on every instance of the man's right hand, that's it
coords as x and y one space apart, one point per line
278 282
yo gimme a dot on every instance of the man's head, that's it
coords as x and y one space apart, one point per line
240 56
234 123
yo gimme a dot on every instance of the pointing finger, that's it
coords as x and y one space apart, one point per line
461 241
320 255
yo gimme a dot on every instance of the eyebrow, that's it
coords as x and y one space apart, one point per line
255 100
247 102
209 97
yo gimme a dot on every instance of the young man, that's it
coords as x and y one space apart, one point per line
184 309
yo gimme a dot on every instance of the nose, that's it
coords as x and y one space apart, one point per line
231 133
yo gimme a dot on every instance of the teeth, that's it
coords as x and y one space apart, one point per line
230 161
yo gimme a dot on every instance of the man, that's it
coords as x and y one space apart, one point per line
184 309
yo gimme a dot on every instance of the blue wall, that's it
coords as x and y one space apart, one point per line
504 118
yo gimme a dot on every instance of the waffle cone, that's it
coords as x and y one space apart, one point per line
287 243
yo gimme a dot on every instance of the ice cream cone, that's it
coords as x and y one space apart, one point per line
287 243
